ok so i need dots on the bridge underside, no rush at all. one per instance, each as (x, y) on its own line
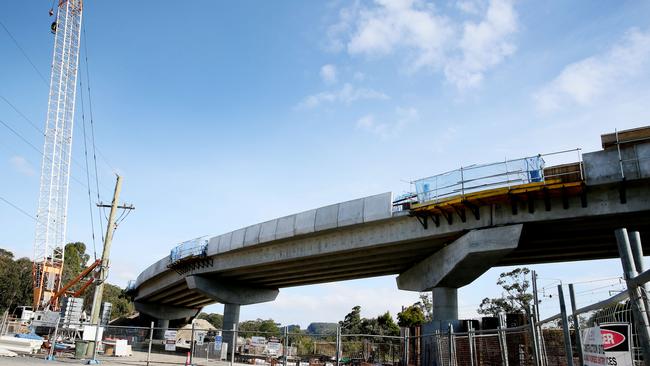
(585, 238)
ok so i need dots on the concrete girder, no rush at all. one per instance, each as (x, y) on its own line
(462, 261)
(166, 312)
(224, 293)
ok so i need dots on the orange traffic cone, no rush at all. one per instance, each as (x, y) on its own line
(187, 360)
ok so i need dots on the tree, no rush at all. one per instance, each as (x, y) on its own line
(410, 317)
(514, 299)
(387, 325)
(15, 281)
(121, 304)
(351, 324)
(259, 327)
(426, 305)
(75, 262)
(215, 319)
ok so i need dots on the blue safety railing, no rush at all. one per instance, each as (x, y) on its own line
(480, 177)
(195, 248)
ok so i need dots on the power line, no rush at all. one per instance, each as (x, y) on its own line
(21, 137)
(90, 203)
(17, 208)
(92, 123)
(40, 131)
(24, 53)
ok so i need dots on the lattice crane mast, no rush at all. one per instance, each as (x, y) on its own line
(52, 211)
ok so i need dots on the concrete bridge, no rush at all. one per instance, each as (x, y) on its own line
(436, 246)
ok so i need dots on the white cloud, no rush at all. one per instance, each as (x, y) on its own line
(584, 81)
(402, 118)
(22, 165)
(347, 94)
(463, 51)
(328, 74)
(484, 45)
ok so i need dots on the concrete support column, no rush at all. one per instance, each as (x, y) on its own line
(445, 303)
(230, 318)
(163, 324)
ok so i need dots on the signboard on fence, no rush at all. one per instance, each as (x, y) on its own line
(617, 343)
(593, 352)
(218, 341)
(199, 336)
(170, 340)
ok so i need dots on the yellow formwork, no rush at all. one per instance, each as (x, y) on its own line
(550, 187)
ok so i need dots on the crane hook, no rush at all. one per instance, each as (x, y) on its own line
(51, 11)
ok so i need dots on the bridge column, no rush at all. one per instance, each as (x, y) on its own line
(458, 264)
(444, 303)
(163, 324)
(230, 318)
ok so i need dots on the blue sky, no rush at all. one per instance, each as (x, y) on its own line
(224, 114)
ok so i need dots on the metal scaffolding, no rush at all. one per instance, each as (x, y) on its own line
(55, 172)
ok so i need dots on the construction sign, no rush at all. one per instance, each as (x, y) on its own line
(170, 340)
(617, 343)
(593, 353)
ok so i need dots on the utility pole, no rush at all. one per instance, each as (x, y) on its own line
(103, 271)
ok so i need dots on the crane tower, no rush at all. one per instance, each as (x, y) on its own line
(52, 211)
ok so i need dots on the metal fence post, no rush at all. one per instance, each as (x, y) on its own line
(286, 345)
(452, 345)
(576, 324)
(234, 345)
(565, 327)
(150, 340)
(338, 345)
(405, 350)
(637, 253)
(502, 339)
(192, 345)
(635, 292)
(533, 333)
(470, 339)
(50, 357)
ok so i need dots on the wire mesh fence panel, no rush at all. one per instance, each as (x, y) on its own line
(553, 350)
(487, 349)
(520, 348)
(312, 348)
(371, 349)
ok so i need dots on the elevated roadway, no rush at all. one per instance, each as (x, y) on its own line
(438, 245)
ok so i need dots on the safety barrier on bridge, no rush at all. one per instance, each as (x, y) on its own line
(493, 179)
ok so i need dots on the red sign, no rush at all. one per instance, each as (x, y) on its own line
(611, 338)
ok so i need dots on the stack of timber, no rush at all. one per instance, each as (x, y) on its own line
(631, 136)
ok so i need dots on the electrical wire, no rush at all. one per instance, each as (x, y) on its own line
(17, 208)
(90, 200)
(21, 137)
(92, 122)
(22, 50)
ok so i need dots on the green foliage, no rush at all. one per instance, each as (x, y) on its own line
(382, 325)
(122, 306)
(213, 318)
(411, 317)
(75, 262)
(426, 305)
(514, 299)
(15, 281)
(265, 328)
(351, 324)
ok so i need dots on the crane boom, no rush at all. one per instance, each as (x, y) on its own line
(51, 216)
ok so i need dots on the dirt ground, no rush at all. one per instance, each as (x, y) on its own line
(138, 358)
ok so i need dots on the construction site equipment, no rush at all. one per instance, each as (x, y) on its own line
(51, 216)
